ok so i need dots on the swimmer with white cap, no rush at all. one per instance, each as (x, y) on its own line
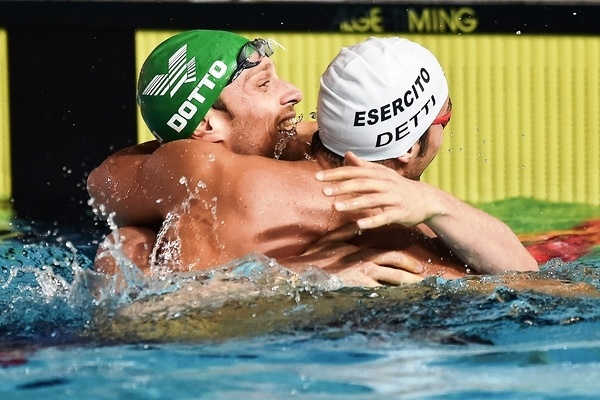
(379, 97)
(386, 100)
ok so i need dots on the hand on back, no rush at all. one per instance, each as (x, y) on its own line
(357, 265)
(373, 187)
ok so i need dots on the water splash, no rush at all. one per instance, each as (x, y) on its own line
(244, 297)
(49, 293)
(44, 292)
(287, 132)
(165, 258)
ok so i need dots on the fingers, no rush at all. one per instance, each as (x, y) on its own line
(352, 159)
(371, 275)
(359, 186)
(373, 222)
(369, 170)
(393, 276)
(354, 180)
(388, 217)
(367, 201)
(341, 174)
(341, 234)
(384, 258)
(398, 260)
(355, 277)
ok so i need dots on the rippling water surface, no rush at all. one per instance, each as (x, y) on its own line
(253, 329)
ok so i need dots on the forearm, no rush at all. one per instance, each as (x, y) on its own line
(477, 238)
(481, 241)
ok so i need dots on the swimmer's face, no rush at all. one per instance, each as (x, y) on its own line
(259, 103)
(427, 150)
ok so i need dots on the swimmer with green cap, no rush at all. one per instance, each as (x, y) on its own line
(193, 75)
(389, 98)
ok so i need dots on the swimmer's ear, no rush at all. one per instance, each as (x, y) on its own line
(212, 128)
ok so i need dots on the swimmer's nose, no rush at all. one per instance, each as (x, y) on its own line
(292, 95)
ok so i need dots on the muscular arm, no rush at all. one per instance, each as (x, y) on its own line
(142, 183)
(115, 186)
(145, 186)
(478, 239)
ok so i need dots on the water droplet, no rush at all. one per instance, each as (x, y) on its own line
(288, 131)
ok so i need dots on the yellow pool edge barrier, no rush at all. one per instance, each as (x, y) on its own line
(525, 118)
(5, 175)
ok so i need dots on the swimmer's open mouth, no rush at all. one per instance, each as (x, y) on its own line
(289, 125)
(287, 129)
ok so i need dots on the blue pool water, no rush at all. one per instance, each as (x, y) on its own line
(252, 330)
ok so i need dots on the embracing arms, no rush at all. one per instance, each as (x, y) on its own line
(481, 241)
(117, 185)
(140, 185)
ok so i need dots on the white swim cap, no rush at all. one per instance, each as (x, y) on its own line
(378, 97)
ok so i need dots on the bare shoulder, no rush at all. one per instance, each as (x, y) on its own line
(191, 148)
(282, 181)
(200, 157)
(180, 168)
(145, 148)
(189, 158)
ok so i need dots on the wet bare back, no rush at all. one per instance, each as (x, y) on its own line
(227, 205)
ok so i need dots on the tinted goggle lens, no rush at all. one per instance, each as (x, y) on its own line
(251, 54)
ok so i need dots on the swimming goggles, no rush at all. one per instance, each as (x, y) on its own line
(250, 56)
(443, 119)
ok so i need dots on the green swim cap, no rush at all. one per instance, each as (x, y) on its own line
(183, 77)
